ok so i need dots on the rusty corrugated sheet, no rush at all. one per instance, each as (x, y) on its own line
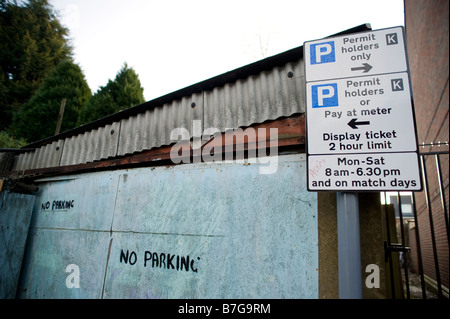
(267, 96)
(91, 146)
(24, 161)
(258, 97)
(153, 127)
(48, 155)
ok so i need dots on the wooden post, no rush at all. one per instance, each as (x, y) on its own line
(60, 116)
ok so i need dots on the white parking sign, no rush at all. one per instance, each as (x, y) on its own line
(359, 107)
(373, 52)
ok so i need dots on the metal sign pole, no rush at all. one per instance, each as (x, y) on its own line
(360, 129)
(349, 253)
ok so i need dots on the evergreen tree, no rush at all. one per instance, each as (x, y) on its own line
(8, 141)
(32, 43)
(37, 119)
(124, 92)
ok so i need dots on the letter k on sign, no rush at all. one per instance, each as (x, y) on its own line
(397, 85)
(391, 38)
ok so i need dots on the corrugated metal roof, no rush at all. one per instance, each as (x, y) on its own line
(48, 155)
(92, 145)
(255, 99)
(264, 90)
(152, 128)
(266, 96)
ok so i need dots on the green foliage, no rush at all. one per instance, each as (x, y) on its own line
(8, 141)
(37, 72)
(32, 43)
(37, 118)
(124, 92)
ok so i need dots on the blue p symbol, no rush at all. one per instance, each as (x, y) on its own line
(322, 52)
(324, 95)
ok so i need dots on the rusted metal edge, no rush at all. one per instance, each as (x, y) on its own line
(290, 134)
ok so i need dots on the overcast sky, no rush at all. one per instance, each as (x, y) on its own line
(172, 44)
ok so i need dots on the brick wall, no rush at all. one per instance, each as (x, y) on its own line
(427, 37)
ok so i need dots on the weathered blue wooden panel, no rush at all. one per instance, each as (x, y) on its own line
(246, 235)
(15, 216)
(49, 254)
(76, 202)
(71, 225)
(219, 230)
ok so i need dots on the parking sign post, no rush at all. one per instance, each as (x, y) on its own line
(349, 254)
(361, 132)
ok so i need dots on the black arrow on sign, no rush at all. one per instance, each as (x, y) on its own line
(366, 67)
(353, 124)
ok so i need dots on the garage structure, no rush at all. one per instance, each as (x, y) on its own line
(200, 193)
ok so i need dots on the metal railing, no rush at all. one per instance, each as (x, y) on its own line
(417, 241)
